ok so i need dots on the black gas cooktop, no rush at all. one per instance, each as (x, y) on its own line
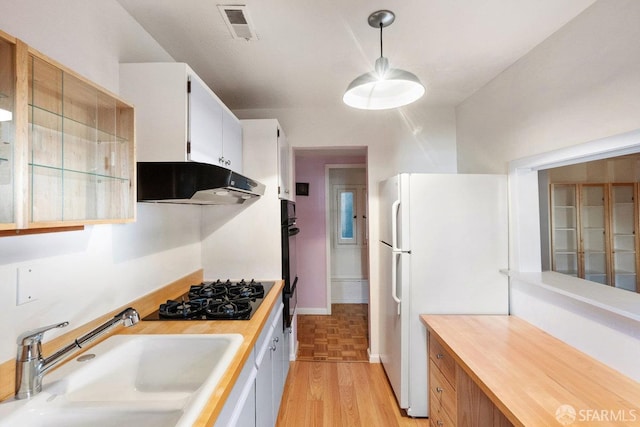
(215, 301)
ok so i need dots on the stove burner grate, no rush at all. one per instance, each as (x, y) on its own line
(228, 310)
(215, 301)
(182, 309)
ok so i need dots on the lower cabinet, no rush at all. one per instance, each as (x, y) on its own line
(270, 378)
(442, 386)
(454, 398)
(255, 398)
(240, 409)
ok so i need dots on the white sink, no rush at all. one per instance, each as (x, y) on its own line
(141, 380)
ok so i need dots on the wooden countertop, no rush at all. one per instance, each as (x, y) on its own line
(529, 375)
(249, 329)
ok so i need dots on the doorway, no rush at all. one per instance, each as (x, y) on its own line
(347, 246)
(333, 309)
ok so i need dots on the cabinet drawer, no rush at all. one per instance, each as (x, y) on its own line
(443, 394)
(440, 419)
(442, 359)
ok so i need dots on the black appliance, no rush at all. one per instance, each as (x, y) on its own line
(289, 230)
(193, 183)
(215, 301)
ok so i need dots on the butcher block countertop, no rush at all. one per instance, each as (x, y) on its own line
(533, 378)
(249, 329)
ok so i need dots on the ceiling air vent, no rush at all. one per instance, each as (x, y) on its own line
(238, 21)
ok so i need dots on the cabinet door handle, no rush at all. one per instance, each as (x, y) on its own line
(439, 356)
(439, 390)
(276, 339)
(440, 423)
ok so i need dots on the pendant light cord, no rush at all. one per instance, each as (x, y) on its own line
(381, 40)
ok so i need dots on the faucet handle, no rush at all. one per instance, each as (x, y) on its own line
(29, 341)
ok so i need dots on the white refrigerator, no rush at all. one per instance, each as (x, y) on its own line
(443, 242)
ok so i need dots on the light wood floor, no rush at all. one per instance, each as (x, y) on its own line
(340, 394)
(326, 389)
(342, 336)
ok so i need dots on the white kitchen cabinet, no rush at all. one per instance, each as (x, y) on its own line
(270, 378)
(255, 398)
(285, 182)
(280, 352)
(179, 118)
(240, 409)
(231, 141)
(264, 383)
(266, 136)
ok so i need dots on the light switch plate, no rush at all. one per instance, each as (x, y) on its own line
(27, 285)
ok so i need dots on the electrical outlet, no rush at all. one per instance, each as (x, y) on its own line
(27, 285)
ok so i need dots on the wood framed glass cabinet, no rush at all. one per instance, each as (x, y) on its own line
(8, 187)
(74, 151)
(593, 232)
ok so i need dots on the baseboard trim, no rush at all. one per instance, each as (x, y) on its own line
(311, 310)
(373, 358)
(350, 301)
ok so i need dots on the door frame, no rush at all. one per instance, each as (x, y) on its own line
(327, 218)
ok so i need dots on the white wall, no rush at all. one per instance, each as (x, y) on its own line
(83, 274)
(411, 139)
(581, 84)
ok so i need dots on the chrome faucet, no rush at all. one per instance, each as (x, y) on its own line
(31, 365)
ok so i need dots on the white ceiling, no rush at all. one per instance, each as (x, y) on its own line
(308, 51)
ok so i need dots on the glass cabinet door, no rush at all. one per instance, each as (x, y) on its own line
(623, 216)
(45, 137)
(67, 149)
(564, 233)
(7, 135)
(593, 232)
(81, 146)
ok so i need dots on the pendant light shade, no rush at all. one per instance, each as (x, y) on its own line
(384, 87)
(5, 115)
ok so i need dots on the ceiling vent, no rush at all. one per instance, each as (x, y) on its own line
(238, 21)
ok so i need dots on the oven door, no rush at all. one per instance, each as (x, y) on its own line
(290, 294)
(290, 304)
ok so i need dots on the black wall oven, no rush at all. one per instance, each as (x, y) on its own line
(289, 230)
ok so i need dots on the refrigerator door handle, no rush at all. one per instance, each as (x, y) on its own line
(394, 279)
(394, 226)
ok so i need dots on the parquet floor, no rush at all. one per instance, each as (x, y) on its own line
(342, 394)
(343, 336)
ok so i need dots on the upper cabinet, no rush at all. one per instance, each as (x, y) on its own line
(284, 166)
(265, 139)
(68, 152)
(593, 232)
(179, 118)
(8, 188)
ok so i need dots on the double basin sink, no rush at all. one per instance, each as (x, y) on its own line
(137, 380)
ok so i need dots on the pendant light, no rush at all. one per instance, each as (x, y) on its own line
(384, 87)
(5, 115)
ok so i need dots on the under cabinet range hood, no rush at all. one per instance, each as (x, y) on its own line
(194, 183)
